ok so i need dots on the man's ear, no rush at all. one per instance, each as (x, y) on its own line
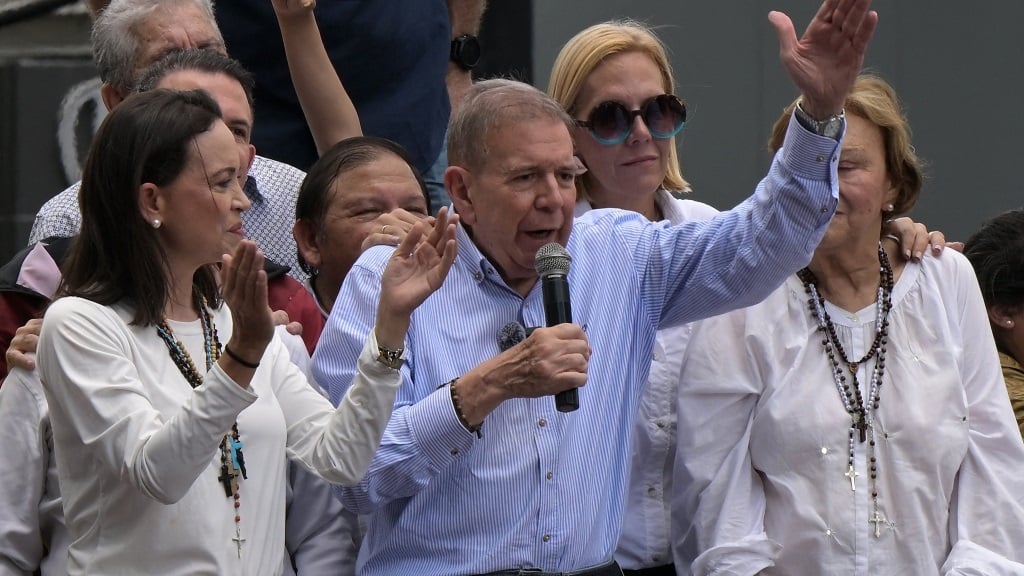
(111, 96)
(459, 182)
(252, 156)
(151, 202)
(308, 242)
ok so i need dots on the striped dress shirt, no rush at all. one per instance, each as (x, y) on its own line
(272, 186)
(544, 489)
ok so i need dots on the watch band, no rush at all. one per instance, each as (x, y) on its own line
(392, 358)
(829, 127)
(465, 51)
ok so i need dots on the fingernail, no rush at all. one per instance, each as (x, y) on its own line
(918, 255)
(906, 254)
(937, 248)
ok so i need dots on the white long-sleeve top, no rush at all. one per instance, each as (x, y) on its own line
(137, 447)
(763, 439)
(319, 535)
(645, 541)
(33, 536)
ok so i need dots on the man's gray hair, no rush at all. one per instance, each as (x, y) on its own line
(115, 45)
(490, 104)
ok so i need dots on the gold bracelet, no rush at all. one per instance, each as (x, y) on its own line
(460, 413)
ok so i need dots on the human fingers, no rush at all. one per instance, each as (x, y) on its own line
(408, 245)
(280, 317)
(18, 359)
(910, 236)
(22, 348)
(785, 32)
(440, 226)
(937, 241)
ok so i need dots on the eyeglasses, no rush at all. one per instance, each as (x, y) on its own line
(610, 123)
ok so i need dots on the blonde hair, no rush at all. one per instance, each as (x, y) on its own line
(585, 52)
(875, 100)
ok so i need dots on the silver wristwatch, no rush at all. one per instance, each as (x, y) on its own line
(389, 357)
(829, 127)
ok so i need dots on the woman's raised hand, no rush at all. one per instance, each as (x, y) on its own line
(244, 286)
(416, 269)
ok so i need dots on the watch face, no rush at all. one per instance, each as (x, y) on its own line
(466, 51)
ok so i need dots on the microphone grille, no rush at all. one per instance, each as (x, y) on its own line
(552, 258)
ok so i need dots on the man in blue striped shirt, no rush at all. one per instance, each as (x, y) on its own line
(478, 473)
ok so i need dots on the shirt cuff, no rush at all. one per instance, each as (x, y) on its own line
(437, 430)
(811, 156)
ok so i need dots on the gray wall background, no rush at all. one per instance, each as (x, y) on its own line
(956, 66)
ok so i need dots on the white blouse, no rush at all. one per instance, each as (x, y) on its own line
(764, 447)
(138, 449)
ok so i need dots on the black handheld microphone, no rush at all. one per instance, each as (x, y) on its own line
(552, 264)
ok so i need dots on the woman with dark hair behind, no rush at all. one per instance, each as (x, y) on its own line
(997, 253)
(171, 455)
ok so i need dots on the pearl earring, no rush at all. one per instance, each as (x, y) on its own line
(888, 208)
(155, 223)
(1009, 323)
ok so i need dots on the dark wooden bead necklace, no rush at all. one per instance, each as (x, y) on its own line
(232, 460)
(861, 412)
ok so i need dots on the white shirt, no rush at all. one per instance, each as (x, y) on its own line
(137, 447)
(32, 531)
(763, 439)
(645, 539)
(320, 537)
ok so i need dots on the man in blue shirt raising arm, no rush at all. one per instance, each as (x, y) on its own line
(478, 473)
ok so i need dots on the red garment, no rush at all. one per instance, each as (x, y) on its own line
(16, 309)
(286, 293)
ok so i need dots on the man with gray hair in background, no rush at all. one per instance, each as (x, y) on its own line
(127, 37)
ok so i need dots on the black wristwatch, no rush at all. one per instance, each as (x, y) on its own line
(465, 51)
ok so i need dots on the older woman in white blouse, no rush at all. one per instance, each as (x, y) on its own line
(855, 422)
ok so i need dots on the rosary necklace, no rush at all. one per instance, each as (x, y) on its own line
(861, 412)
(232, 460)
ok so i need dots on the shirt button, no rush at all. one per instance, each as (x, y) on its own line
(477, 276)
(546, 538)
(455, 451)
(550, 475)
(542, 422)
(652, 491)
(820, 158)
(824, 209)
(828, 532)
(824, 451)
(659, 424)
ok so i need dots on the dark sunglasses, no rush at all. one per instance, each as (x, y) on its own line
(611, 123)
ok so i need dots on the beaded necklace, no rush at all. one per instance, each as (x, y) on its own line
(861, 413)
(232, 460)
